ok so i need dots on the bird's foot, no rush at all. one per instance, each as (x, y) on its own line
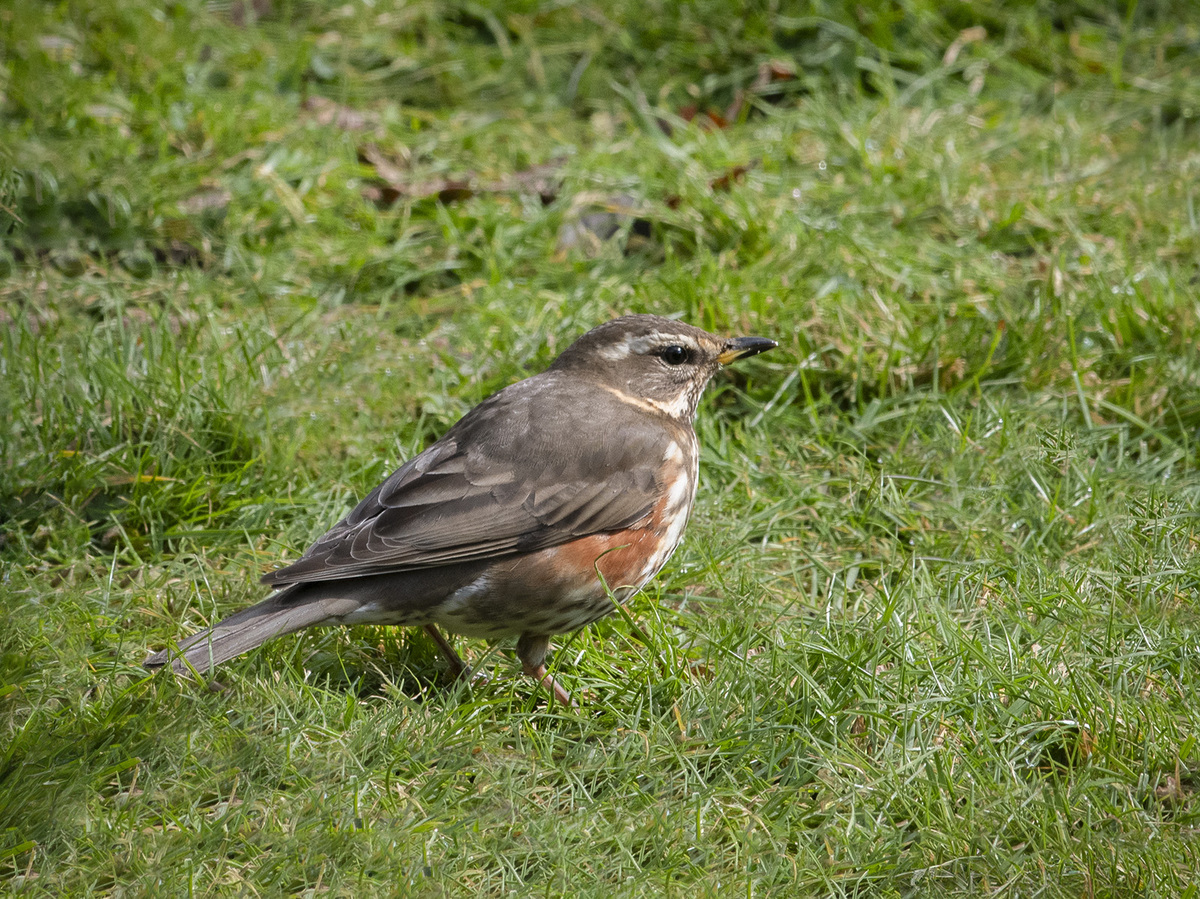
(556, 689)
(531, 650)
(458, 668)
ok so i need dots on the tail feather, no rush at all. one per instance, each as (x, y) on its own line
(284, 613)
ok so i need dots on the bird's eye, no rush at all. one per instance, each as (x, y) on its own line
(674, 354)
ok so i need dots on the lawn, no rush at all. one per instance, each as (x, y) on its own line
(934, 628)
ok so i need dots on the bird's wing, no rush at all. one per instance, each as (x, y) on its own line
(517, 474)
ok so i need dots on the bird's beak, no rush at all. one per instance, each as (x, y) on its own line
(740, 347)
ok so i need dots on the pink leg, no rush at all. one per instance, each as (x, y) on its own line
(531, 650)
(457, 665)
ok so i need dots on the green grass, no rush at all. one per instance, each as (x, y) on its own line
(934, 629)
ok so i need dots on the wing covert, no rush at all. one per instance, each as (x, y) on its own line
(508, 478)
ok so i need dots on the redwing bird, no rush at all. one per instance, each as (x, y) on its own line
(540, 504)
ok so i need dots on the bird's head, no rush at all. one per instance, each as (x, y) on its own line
(654, 361)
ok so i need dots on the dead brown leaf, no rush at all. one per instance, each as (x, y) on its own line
(324, 111)
(394, 181)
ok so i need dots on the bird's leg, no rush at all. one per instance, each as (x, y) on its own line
(457, 665)
(531, 650)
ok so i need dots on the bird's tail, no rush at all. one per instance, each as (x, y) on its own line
(287, 611)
